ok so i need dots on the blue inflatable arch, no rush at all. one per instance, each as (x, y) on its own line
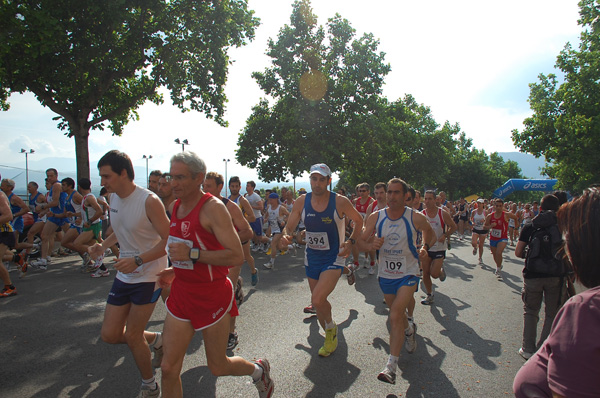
(515, 184)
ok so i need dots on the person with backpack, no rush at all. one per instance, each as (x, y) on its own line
(568, 362)
(543, 275)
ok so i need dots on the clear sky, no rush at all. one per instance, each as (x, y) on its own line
(470, 61)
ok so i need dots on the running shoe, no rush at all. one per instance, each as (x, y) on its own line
(480, 261)
(372, 270)
(310, 309)
(233, 341)
(331, 342)
(239, 292)
(269, 265)
(265, 384)
(86, 259)
(158, 356)
(351, 276)
(474, 251)
(23, 270)
(498, 274)
(98, 262)
(49, 259)
(269, 251)
(149, 392)
(442, 274)
(427, 300)
(410, 340)
(39, 264)
(255, 278)
(526, 355)
(8, 291)
(387, 376)
(100, 273)
(255, 248)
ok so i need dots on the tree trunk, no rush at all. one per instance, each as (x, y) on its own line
(82, 155)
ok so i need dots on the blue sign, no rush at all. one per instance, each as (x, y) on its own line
(515, 184)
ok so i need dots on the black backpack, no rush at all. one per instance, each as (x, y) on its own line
(543, 252)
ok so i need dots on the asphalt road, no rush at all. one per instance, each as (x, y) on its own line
(467, 341)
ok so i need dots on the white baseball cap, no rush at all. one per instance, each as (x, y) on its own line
(320, 168)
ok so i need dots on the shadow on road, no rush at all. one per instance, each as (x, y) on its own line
(319, 371)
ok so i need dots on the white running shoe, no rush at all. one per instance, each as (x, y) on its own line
(269, 265)
(372, 270)
(100, 273)
(427, 300)
(410, 341)
(148, 392)
(265, 384)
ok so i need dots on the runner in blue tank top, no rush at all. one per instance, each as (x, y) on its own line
(323, 212)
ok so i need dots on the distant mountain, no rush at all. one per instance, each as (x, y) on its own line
(529, 164)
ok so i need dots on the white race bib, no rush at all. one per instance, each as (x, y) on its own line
(390, 266)
(181, 264)
(317, 240)
(496, 233)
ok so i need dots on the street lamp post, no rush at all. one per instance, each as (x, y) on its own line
(27, 165)
(182, 142)
(225, 182)
(147, 176)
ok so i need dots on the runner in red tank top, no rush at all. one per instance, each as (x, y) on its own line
(202, 246)
(497, 223)
(361, 204)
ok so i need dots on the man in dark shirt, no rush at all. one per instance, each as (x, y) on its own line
(538, 286)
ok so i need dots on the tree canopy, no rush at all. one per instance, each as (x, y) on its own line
(323, 103)
(565, 125)
(323, 86)
(95, 63)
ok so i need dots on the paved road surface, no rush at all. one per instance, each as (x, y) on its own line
(467, 341)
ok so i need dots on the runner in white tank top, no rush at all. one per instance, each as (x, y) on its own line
(396, 230)
(443, 226)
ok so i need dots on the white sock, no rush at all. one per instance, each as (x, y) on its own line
(157, 343)
(257, 374)
(149, 382)
(330, 325)
(392, 363)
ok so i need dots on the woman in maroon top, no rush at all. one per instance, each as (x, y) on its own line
(568, 363)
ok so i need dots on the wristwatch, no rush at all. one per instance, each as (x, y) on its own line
(353, 241)
(138, 260)
(194, 254)
(428, 247)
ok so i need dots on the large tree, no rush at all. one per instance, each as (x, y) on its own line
(95, 63)
(321, 91)
(565, 125)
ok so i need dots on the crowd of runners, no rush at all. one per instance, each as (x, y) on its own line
(182, 241)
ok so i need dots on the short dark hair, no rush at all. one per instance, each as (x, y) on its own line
(118, 161)
(235, 179)
(84, 183)
(35, 184)
(251, 183)
(578, 220)
(155, 173)
(103, 191)
(396, 180)
(550, 202)
(69, 181)
(411, 191)
(562, 197)
(52, 170)
(380, 185)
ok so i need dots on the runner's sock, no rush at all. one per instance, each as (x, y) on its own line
(257, 374)
(149, 382)
(392, 363)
